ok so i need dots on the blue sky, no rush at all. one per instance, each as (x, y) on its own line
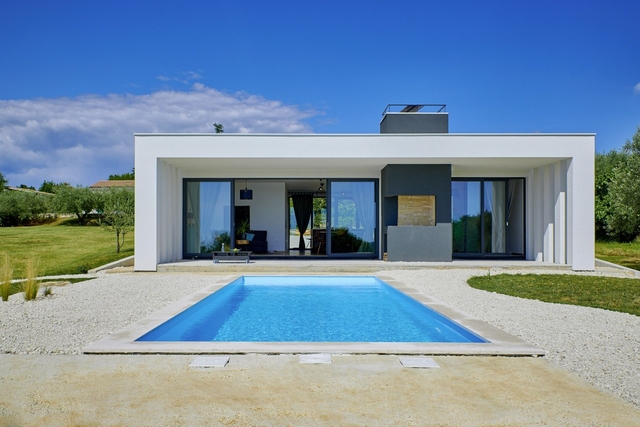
(79, 77)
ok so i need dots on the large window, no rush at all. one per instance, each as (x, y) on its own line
(353, 214)
(466, 220)
(488, 216)
(207, 216)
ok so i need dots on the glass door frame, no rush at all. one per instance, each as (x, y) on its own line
(376, 244)
(185, 182)
(482, 181)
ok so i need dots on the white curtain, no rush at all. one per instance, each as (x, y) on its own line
(202, 209)
(498, 223)
(364, 199)
(209, 193)
(193, 217)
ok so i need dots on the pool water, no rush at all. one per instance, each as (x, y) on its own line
(309, 309)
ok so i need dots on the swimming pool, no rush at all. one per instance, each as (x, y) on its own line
(309, 309)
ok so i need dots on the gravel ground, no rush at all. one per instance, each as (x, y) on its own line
(601, 346)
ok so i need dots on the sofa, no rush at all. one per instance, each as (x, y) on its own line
(259, 242)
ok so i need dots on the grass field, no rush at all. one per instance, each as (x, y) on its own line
(610, 293)
(61, 247)
(626, 254)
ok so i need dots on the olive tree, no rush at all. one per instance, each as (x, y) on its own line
(78, 201)
(22, 207)
(119, 213)
(605, 168)
(3, 182)
(624, 192)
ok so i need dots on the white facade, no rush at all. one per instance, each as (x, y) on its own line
(558, 171)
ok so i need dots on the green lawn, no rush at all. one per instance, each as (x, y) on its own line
(626, 254)
(62, 247)
(610, 293)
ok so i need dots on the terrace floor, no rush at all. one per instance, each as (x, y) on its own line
(354, 390)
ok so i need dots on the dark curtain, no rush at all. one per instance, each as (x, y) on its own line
(303, 208)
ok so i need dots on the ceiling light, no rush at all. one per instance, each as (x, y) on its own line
(246, 194)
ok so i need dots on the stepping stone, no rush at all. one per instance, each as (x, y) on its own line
(418, 362)
(210, 362)
(315, 358)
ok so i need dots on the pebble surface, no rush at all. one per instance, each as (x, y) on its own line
(602, 347)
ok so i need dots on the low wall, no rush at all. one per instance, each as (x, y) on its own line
(419, 243)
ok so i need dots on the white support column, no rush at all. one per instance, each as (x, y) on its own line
(146, 253)
(537, 210)
(529, 226)
(580, 212)
(560, 213)
(176, 209)
(162, 217)
(548, 205)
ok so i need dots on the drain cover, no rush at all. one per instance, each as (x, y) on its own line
(418, 362)
(315, 358)
(210, 362)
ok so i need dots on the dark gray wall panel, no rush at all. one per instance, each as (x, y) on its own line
(419, 243)
(415, 123)
(418, 180)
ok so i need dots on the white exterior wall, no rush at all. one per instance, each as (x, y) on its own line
(271, 197)
(559, 172)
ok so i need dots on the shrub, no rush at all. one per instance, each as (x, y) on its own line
(82, 269)
(6, 271)
(31, 285)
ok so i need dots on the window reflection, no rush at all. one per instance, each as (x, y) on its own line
(353, 217)
(208, 209)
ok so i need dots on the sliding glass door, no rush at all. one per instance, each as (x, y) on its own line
(488, 216)
(353, 219)
(207, 216)
(465, 209)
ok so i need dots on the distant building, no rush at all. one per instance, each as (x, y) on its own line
(105, 184)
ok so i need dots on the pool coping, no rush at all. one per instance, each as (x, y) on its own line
(500, 342)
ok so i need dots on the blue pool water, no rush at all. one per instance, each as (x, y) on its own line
(309, 309)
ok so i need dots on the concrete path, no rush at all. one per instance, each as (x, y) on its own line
(262, 390)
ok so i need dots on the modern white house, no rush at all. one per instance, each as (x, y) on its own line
(414, 192)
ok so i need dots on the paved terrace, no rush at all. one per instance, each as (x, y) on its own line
(306, 266)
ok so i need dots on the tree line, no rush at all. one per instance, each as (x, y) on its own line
(113, 209)
(617, 192)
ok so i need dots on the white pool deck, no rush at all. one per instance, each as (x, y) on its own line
(355, 266)
(346, 265)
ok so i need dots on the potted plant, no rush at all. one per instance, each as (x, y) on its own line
(242, 228)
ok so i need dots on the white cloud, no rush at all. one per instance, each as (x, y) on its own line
(636, 89)
(184, 77)
(83, 139)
